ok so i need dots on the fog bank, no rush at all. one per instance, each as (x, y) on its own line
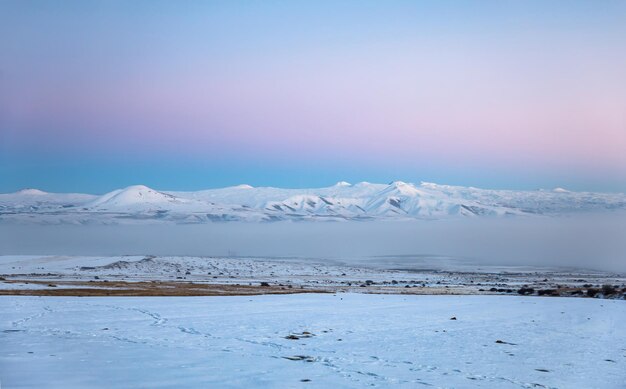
(595, 242)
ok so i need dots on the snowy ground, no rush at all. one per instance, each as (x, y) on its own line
(443, 277)
(355, 341)
(383, 335)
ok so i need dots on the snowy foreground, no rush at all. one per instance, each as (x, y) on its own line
(355, 340)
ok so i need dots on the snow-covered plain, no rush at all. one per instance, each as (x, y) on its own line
(355, 341)
(417, 277)
(343, 201)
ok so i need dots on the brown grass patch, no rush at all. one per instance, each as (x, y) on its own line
(149, 288)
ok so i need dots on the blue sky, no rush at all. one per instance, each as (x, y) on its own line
(96, 95)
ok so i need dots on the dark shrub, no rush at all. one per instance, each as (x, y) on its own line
(608, 290)
(525, 291)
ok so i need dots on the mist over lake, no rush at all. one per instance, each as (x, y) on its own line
(589, 241)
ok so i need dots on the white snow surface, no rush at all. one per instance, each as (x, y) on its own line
(356, 341)
(388, 275)
(342, 201)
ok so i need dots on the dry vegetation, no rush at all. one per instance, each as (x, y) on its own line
(151, 288)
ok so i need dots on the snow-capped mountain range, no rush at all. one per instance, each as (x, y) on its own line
(342, 201)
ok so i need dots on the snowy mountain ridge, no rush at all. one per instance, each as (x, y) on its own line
(342, 201)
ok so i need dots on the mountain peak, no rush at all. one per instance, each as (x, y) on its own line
(343, 183)
(134, 195)
(137, 188)
(403, 188)
(31, 192)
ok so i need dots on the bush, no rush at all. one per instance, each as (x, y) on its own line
(608, 290)
(526, 291)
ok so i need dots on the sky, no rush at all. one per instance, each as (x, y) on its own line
(189, 95)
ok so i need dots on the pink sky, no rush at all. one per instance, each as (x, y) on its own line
(486, 85)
